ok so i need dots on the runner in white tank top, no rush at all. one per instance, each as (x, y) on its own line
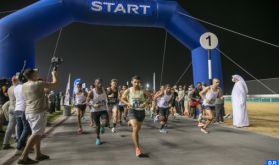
(164, 102)
(113, 99)
(209, 95)
(97, 98)
(80, 105)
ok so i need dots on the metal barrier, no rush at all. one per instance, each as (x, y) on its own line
(258, 98)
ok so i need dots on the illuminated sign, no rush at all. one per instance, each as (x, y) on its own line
(117, 7)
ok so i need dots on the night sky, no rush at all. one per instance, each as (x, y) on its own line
(91, 51)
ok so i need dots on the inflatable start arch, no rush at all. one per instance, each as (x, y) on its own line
(20, 31)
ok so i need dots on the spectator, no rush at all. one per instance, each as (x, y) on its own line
(186, 103)
(23, 128)
(12, 121)
(3, 99)
(219, 107)
(51, 100)
(36, 108)
(180, 100)
(57, 102)
(239, 97)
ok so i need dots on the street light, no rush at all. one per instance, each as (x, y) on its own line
(147, 86)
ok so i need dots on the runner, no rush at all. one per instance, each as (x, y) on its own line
(155, 106)
(209, 96)
(135, 98)
(164, 102)
(92, 86)
(80, 105)
(113, 100)
(123, 111)
(195, 101)
(173, 106)
(97, 99)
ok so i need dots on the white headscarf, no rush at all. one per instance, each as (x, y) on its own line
(239, 79)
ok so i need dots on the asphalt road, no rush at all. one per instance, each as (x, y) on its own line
(183, 144)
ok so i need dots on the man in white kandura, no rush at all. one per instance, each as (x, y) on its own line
(239, 96)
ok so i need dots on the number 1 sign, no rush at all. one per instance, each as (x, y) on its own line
(209, 41)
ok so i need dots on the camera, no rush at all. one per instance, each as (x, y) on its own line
(56, 61)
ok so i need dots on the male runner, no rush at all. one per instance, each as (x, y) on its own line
(135, 98)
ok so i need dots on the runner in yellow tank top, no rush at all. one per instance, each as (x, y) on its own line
(135, 98)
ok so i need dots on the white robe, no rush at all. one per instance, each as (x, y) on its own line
(239, 96)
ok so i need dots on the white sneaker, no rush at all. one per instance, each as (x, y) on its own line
(113, 130)
(163, 131)
(204, 131)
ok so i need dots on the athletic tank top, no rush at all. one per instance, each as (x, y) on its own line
(112, 97)
(99, 99)
(136, 98)
(210, 96)
(163, 101)
(80, 99)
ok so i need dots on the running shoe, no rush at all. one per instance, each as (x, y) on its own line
(98, 141)
(138, 152)
(163, 131)
(204, 131)
(200, 124)
(79, 131)
(113, 130)
(102, 130)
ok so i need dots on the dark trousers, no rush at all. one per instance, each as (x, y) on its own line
(23, 129)
(220, 112)
(192, 112)
(52, 107)
(179, 107)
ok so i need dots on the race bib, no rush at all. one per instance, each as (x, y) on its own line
(136, 103)
(102, 103)
(166, 103)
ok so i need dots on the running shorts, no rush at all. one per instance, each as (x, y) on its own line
(139, 115)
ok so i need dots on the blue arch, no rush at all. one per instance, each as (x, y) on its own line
(20, 31)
